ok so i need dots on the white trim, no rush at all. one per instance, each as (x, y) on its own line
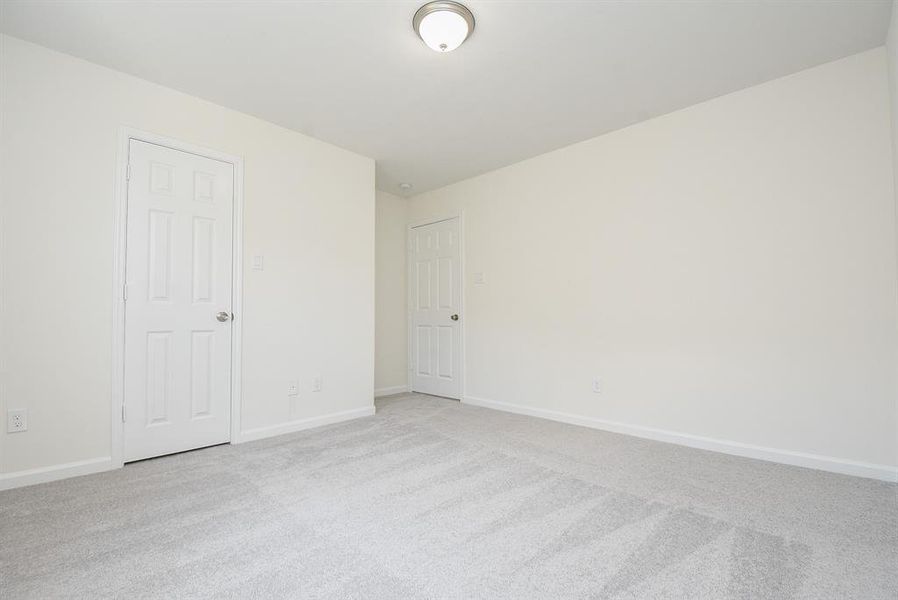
(119, 250)
(438, 218)
(389, 391)
(27, 477)
(237, 304)
(786, 457)
(18, 479)
(301, 424)
(460, 215)
(120, 222)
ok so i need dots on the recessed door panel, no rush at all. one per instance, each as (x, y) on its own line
(203, 259)
(159, 267)
(162, 178)
(424, 354)
(444, 351)
(446, 295)
(203, 187)
(423, 296)
(159, 376)
(202, 373)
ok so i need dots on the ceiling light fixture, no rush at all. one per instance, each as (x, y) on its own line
(405, 187)
(443, 26)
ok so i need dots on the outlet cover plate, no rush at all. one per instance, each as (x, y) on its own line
(16, 420)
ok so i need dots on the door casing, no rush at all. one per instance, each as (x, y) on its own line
(460, 215)
(120, 222)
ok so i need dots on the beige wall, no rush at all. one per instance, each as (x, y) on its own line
(309, 209)
(892, 50)
(391, 332)
(729, 270)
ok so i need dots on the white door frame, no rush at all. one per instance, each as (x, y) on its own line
(120, 223)
(460, 215)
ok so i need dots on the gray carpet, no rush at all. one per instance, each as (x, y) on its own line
(433, 499)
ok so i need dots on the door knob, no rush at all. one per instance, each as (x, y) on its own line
(223, 316)
(454, 317)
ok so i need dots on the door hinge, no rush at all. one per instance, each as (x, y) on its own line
(128, 172)
(124, 417)
(125, 292)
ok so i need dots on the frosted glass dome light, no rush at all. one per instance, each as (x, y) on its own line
(443, 26)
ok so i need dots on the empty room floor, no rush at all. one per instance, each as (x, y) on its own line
(435, 499)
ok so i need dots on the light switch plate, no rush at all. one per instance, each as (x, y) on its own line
(258, 262)
(479, 278)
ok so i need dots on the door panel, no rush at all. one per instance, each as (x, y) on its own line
(436, 298)
(202, 373)
(423, 350)
(179, 276)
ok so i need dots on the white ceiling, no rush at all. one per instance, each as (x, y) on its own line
(535, 75)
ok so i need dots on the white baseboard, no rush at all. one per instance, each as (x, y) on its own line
(96, 465)
(300, 424)
(52, 473)
(787, 457)
(389, 391)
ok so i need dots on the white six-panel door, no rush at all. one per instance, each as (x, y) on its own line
(435, 305)
(178, 306)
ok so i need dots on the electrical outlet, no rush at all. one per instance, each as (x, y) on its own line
(293, 388)
(16, 420)
(316, 383)
(597, 385)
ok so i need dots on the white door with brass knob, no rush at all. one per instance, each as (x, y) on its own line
(435, 308)
(178, 317)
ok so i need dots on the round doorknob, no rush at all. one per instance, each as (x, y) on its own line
(454, 317)
(223, 316)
